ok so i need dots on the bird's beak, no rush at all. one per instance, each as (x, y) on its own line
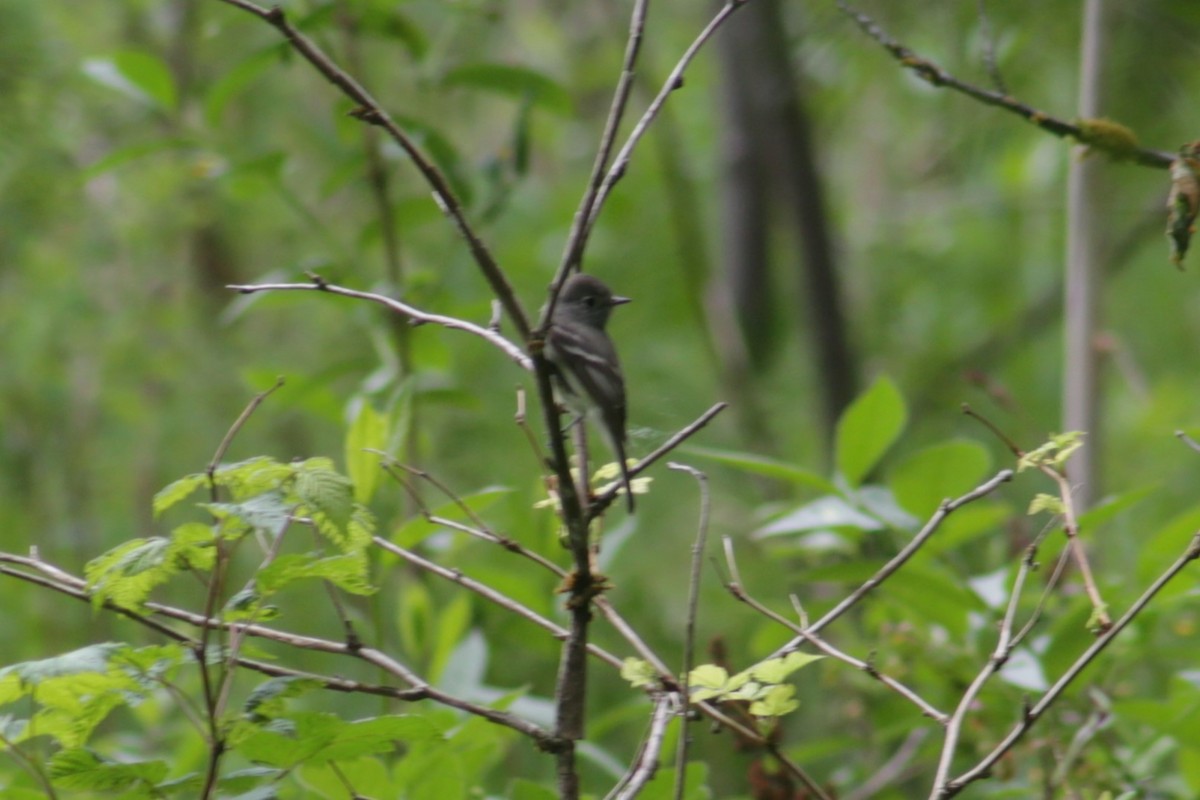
(620, 301)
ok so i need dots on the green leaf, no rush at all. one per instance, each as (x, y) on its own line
(707, 681)
(522, 789)
(127, 574)
(178, 491)
(327, 492)
(378, 735)
(1046, 502)
(867, 429)
(941, 472)
(235, 81)
(769, 468)
(521, 83)
(389, 23)
(268, 700)
(415, 617)
(82, 769)
(443, 153)
(370, 430)
(140, 76)
(347, 571)
(451, 626)
(1109, 507)
(638, 672)
(1053, 453)
(268, 512)
(776, 670)
(128, 154)
(778, 701)
(91, 659)
(821, 514)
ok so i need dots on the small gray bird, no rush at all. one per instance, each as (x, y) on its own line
(585, 361)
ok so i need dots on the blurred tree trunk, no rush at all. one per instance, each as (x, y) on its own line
(771, 163)
(1082, 280)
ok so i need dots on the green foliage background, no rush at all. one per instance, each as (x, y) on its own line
(151, 152)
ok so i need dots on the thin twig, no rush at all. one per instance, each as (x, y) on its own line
(646, 763)
(603, 500)
(934, 75)
(1031, 715)
(492, 596)
(944, 510)
(372, 112)
(893, 769)
(674, 81)
(738, 590)
(1189, 441)
(577, 238)
(1005, 644)
(512, 351)
(989, 49)
(689, 634)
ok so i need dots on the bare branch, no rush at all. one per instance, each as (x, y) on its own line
(934, 75)
(577, 238)
(646, 763)
(947, 507)
(736, 588)
(370, 111)
(1031, 715)
(689, 636)
(674, 81)
(491, 595)
(605, 499)
(486, 333)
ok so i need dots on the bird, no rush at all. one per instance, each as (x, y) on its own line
(586, 367)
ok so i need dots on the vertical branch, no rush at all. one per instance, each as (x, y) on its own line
(689, 638)
(1082, 280)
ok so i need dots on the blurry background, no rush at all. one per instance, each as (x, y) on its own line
(152, 152)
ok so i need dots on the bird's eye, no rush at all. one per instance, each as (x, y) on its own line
(590, 301)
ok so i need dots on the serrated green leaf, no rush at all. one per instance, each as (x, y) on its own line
(268, 512)
(140, 76)
(1046, 502)
(326, 492)
(370, 430)
(91, 659)
(868, 428)
(708, 676)
(268, 700)
(778, 701)
(84, 770)
(347, 571)
(638, 672)
(254, 476)
(521, 83)
(377, 735)
(127, 574)
(178, 491)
